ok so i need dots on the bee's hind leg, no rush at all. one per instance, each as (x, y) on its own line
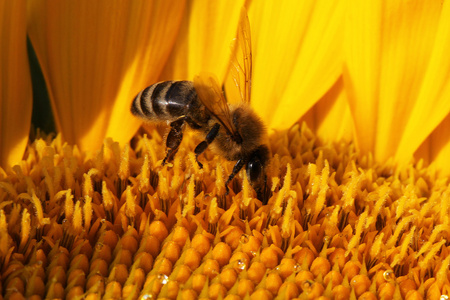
(208, 140)
(174, 138)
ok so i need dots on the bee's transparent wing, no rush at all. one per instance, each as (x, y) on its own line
(237, 83)
(211, 95)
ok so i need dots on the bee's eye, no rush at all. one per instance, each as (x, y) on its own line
(254, 169)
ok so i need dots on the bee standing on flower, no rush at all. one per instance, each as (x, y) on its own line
(234, 131)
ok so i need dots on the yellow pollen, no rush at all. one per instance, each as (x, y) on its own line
(150, 149)
(354, 241)
(38, 208)
(398, 258)
(25, 227)
(50, 184)
(124, 169)
(4, 237)
(380, 197)
(189, 203)
(409, 198)
(87, 212)
(442, 274)
(77, 218)
(144, 180)
(88, 188)
(194, 163)
(288, 216)
(278, 205)
(213, 214)
(434, 249)
(130, 204)
(398, 230)
(107, 197)
(68, 205)
(220, 183)
(433, 237)
(351, 188)
(376, 246)
(322, 192)
(246, 198)
(163, 184)
(445, 205)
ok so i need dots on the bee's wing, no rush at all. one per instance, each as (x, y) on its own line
(210, 94)
(238, 79)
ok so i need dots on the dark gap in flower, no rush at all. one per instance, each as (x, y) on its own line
(97, 183)
(39, 233)
(285, 242)
(306, 220)
(212, 228)
(243, 214)
(165, 204)
(236, 186)
(305, 196)
(364, 235)
(199, 187)
(359, 206)
(370, 263)
(415, 242)
(109, 214)
(399, 270)
(380, 223)
(67, 238)
(222, 202)
(121, 185)
(142, 199)
(154, 179)
(343, 220)
(42, 116)
(264, 194)
(399, 238)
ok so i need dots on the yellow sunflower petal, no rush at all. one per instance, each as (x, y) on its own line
(330, 117)
(297, 56)
(15, 83)
(436, 148)
(387, 48)
(96, 56)
(433, 103)
(205, 39)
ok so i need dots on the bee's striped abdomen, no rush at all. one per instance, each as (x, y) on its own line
(164, 101)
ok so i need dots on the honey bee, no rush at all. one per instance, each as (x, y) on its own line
(233, 130)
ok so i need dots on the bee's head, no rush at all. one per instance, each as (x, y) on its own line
(256, 171)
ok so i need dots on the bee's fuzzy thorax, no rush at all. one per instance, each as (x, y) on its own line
(250, 128)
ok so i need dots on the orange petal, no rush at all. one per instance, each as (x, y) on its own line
(96, 56)
(205, 39)
(387, 48)
(15, 83)
(297, 56)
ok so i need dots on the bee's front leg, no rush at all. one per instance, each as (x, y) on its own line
(174, 138)
(237, 167)
(208, 140)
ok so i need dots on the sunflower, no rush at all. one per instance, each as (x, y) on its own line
(356, 99)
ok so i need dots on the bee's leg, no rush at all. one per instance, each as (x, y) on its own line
(174, 138)
(208, 140)
(237, 167)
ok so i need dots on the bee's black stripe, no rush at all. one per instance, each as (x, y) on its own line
(135, 110)
(144, 97)
(157, 98)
